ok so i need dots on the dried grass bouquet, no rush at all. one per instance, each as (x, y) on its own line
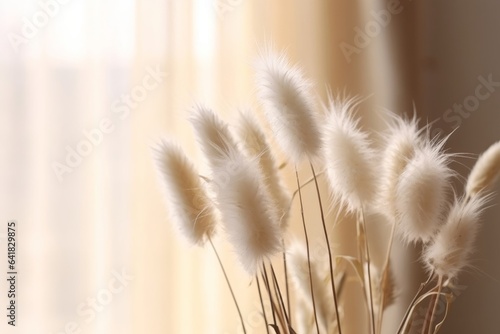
(408, 181)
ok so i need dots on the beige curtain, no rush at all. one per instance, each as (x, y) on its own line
(63, 179)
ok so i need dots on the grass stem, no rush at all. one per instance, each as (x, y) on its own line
(330, 258)
(368, 270)
(229, 286)
(285, 269)
(410, 307)
(262, 304)
(385, 270)
(308, 251)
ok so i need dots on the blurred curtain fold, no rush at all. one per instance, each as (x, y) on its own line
(74, 228)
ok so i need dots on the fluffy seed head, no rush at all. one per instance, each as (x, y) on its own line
(450, 251)
(348, 156)
(421, 193)
(257, 147)
(401, 142)
(247, 216)
(189, 205)
(288, 106)
(212, 134)
(486, 171)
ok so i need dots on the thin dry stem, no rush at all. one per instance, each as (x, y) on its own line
(384, 276)
(408, 325)
(278, 306)
(285, 269)
(270, 295)
(306, 183)
(307, 249)
(229, 285)
(262, 303)
(280, 297)
(409, 310)
(330, 258)
(434, 307)
(438, 325)
(300, 187)
(368, 261)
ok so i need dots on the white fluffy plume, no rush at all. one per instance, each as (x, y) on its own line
(247, 215)
(422, 191)
(450, 251)
(350, 161)
(401, 142)
(288, 106)
(212, 134)
(486, 171)
(257, 147)
(189, 205)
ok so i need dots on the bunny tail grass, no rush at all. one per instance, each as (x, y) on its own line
(246, 210)
(212, 134)
(189, 205)
(288, 105)
(422, 193)
(257, 147)
(402, 174)
(348, 157)
(486, 171)
(401, 142)
(450, 251)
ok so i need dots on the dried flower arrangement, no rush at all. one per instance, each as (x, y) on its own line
(245, 192)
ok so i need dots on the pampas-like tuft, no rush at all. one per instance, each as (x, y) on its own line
(421, 193)
(248, 218)
(450, 251)
(486, 171)
(257, 147)
(189, 205)
(212, 134)
(350, 161)
(299, 270)
(289, 106)
(401, 142)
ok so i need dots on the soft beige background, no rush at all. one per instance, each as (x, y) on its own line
(107, 215)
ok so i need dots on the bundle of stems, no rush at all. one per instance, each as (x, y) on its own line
(407, 180)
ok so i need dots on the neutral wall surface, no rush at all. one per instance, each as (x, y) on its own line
(460, 45)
